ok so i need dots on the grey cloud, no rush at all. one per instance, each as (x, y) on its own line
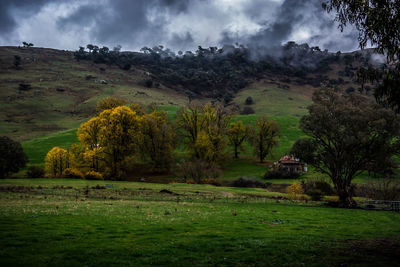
(178, 24)
(291, 16)
(27, 7)
(138, 22)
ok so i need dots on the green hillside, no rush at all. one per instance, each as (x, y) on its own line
(62, 92)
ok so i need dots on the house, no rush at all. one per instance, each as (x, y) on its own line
(290, 164)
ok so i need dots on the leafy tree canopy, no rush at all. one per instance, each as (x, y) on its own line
(348, 132)
(12, 156)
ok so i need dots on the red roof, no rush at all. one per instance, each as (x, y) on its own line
(289, 159)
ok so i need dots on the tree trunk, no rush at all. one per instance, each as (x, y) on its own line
(345, 196)
(236, 152)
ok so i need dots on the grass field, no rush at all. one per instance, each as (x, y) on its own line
(133, 224)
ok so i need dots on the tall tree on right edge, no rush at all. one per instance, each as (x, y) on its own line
(378, 23)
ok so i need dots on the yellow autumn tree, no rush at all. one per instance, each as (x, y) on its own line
(237, 134)
(264, 137)
(109, 103)
(216, 121)
(89, 137)
(204, 129)
(56, 161)
(190, 121)
(157, 140)
(119, 129)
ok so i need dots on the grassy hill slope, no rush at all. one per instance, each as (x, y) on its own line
(63, 91)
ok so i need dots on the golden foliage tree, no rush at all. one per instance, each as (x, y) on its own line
(89, 137)
(190, 121)
(264, 137)
(56, 161)
(237, 133)
(118, 133)
(109, 103)
(109, 138)
(216, 121)
(157, 140)
(204, 129)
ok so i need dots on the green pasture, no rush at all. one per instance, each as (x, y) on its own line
(133, 224)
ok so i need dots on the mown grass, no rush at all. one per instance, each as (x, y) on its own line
(203, 228)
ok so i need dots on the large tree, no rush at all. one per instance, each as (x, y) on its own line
(157, 139)
(237, 133)
(56, 161)
(348, 132)
(264, 137)
(118, 133)
(12, 156)
(378, 23)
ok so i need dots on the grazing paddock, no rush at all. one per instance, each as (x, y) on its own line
(77, 222)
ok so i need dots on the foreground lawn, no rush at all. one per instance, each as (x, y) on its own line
(75, 222)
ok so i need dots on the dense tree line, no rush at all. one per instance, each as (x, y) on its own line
(119, 136)
(216, 72)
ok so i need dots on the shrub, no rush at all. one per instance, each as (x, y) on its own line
(72, 173)
(382, 189)
(318, 184)
(248, 182)
(197, 170)
(35, 172)
(12, 156)
(315, 194)
(92, 175)
(294, 191)
(249, 100)
(24, 86)
(280, 174)
(148, 83)
(247, 111)
(212, 181)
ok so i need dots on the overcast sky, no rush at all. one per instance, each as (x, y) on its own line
(177, 24)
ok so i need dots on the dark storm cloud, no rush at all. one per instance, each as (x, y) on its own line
(178, 24)
(139, 21)
(292, 17)
(7, 21)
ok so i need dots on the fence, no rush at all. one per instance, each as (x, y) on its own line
(383, 205)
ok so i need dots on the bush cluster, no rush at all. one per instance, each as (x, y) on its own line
(72, 173)
(280, 174)
(197, 170)
(35, 172)
(248, 182)
(92, 175)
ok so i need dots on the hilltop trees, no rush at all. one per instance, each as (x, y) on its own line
(213, 72)
(264, 137)
(26, 44)
(348, 134)
(12, 156)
